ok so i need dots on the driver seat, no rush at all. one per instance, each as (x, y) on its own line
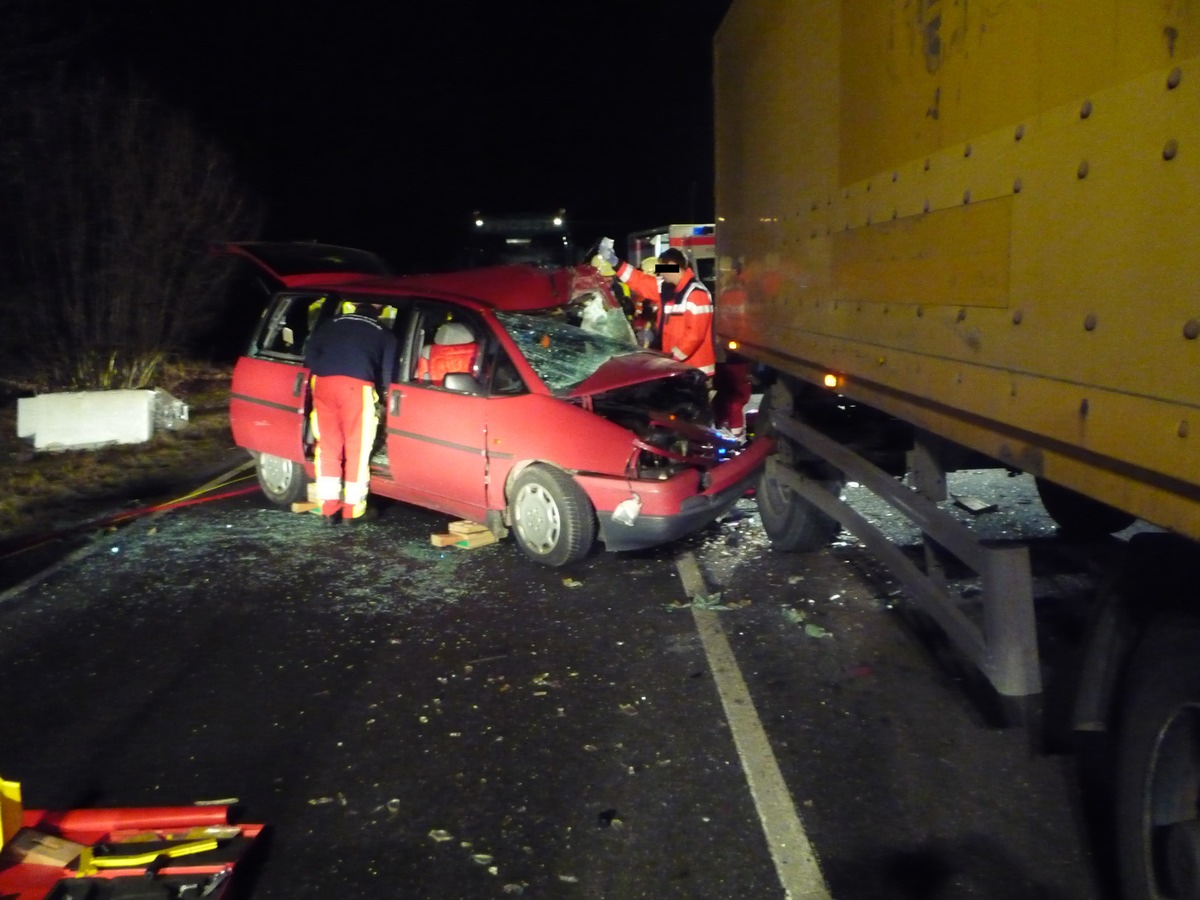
(453, 350)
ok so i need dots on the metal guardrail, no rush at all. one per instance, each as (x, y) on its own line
(1004, 645)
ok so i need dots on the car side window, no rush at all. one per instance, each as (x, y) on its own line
(499, 375)
(287, 325)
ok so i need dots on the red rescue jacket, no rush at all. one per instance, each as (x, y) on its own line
(686, 321)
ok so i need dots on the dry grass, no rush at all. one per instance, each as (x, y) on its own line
(44, 491)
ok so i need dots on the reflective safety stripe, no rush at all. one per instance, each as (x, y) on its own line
(678, 309)
(329, 487)
(356, 492)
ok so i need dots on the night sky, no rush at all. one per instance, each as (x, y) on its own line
(385, 124)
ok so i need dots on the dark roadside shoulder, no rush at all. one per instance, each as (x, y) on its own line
(52, 504)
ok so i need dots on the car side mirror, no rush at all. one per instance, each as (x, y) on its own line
(462, 383)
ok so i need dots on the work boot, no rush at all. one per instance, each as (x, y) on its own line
(370, 514)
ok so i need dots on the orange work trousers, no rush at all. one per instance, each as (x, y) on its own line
(344, 423)
(733, 392)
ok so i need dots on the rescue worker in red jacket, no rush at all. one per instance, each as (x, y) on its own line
(685, 316)
(352, 359)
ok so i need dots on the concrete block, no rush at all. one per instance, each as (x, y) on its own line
(92, 418)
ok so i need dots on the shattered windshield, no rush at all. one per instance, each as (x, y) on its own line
(566, 345)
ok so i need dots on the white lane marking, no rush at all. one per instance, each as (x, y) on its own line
(795, 863)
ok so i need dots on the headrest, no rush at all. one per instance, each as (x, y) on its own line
(453, 333)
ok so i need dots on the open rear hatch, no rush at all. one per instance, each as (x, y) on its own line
(298, 263)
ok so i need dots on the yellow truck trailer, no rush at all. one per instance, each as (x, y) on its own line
(980, 224)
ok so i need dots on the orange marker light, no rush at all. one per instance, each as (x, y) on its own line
(733, 345)
(832, 381)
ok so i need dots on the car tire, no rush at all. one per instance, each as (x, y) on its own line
(552, 519)
(1078, 514)
(283, 481)
(1158, 764)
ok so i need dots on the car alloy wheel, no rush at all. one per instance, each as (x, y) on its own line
(552, 518)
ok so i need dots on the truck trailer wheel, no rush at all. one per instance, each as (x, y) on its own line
(552, 518)
(1158, 765)
(791, 522)
(283, 481)
(1078, 514)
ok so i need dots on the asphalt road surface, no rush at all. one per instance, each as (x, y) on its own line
(439, 723)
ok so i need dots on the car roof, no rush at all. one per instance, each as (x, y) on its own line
(511, 288)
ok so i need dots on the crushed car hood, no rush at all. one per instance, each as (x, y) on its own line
(635, 367)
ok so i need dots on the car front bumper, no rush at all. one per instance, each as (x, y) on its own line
(731, 480)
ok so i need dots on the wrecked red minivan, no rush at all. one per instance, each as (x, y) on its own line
(550, 424)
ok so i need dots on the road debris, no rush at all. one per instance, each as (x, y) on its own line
(795, 616)
(571, 582)
(440, 835)
(610, 819)
(973, 504)
(709, 601)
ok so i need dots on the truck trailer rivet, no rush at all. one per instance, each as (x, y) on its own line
(1170, 148)
(1019, 133)
(967, 150)
(926, 206)
(1089, 322)
(1086, 109)
(1183, 429)
(920, 311)
(1084, 406)
(1017, 316)
(895, 176)
(1191, 329)
(1017, 185)
(967, 196)
(927, 164)
(1173, 79)
(1082, 171)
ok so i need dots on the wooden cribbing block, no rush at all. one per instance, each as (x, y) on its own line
(464, 527)
(464, 535)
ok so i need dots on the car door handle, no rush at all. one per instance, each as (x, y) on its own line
(394, 404)
(300, 378)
